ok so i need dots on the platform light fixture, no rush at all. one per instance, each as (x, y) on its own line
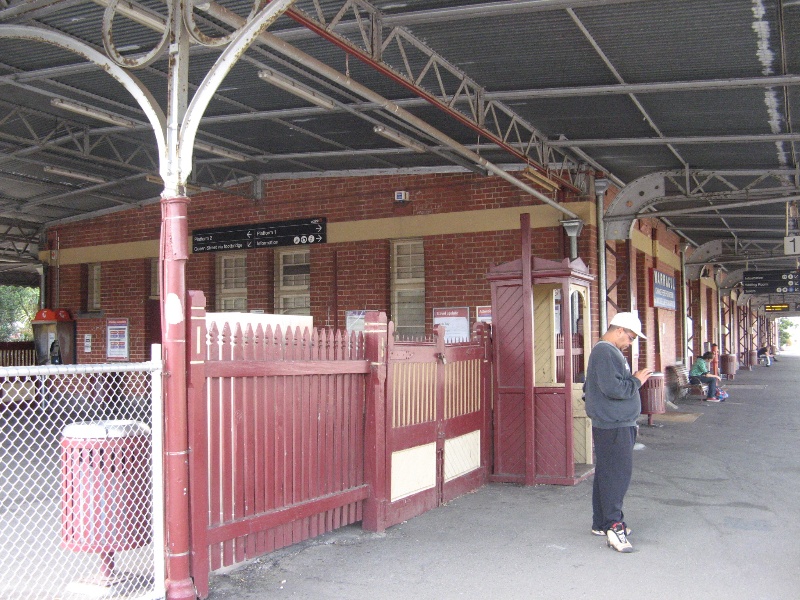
(91, 111)
(296, 88)
(74, 174)
(220, 151)
(399, 138)
(540, 179)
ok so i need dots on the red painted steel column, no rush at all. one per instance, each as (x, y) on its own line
(633, 303)
(198, 440)
(482, 332)
(375, 340)
(438, 333)
(527, 336)
(566, 327)
(174, 254)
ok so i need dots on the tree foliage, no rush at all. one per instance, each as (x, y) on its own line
(18, 306)
(785, 327)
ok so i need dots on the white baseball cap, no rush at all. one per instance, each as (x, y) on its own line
(629, 320)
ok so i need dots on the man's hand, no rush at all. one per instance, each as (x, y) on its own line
(643, 375)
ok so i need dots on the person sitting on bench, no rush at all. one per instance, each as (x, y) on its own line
(700, 374)
(766, 355)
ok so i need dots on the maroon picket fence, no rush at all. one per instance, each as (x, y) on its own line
(276, 438)
(288, 432)
(17, 354)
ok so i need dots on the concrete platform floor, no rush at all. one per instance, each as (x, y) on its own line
(713, 507)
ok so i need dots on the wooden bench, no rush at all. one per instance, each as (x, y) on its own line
(676, 380)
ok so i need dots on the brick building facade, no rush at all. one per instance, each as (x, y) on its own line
(466, 224)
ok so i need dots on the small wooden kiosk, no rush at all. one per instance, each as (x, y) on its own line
(541, 431)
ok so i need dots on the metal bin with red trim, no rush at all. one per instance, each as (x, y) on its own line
(727, 365)
(106, 488)
(651, 395)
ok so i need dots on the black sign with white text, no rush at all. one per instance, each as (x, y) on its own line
(299, 232)
(771, 282)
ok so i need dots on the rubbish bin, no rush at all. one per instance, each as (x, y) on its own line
(753, 359)
(106, 488)
(651, 395)
(727, 365)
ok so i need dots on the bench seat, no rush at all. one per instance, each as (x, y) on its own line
(678, 386)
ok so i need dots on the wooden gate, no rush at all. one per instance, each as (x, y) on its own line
(437, 441)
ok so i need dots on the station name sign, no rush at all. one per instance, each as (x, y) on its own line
(662, 289)
(771, 282)
(299, 232)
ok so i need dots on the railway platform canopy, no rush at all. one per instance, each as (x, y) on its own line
(688, 108)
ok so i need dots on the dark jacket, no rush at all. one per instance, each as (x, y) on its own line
(612, 392)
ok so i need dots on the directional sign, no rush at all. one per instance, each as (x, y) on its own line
(300, 232)
(771, 282)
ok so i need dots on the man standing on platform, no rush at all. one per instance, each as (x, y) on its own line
(715, 359)
(613, 404)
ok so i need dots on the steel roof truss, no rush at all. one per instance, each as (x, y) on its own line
(696, 183)
(61, 133)
(435, 67)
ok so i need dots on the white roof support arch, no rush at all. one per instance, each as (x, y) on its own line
(633, 198)
(702, 256)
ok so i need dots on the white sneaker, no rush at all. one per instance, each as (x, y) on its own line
(616, 538)
(602, 532)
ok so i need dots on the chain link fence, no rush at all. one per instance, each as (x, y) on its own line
(80, 451)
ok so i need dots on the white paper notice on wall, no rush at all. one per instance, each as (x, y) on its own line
(87, 343)
(455, 321)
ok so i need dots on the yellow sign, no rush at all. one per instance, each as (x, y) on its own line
(776, 307)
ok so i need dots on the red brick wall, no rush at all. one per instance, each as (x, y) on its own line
(344, 276)
(124, 288)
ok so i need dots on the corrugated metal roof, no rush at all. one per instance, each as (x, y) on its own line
(541, 59)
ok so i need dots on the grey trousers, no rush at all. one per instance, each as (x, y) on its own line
(613, 449)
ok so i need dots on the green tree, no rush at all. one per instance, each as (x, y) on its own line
(785, 327)
(18, 306)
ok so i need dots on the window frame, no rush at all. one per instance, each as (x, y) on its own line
(405, 285)
(94, 299)
(285, 292)
(235, 293)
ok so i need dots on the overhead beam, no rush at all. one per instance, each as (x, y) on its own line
(666, 140)
(699, 209)
(647, 88)
(461, 13)
(413, 121)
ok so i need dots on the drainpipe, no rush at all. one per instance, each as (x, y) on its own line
(42, 286)
(573, 227)
(600, 187)
(684, 300)
(717, 277)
